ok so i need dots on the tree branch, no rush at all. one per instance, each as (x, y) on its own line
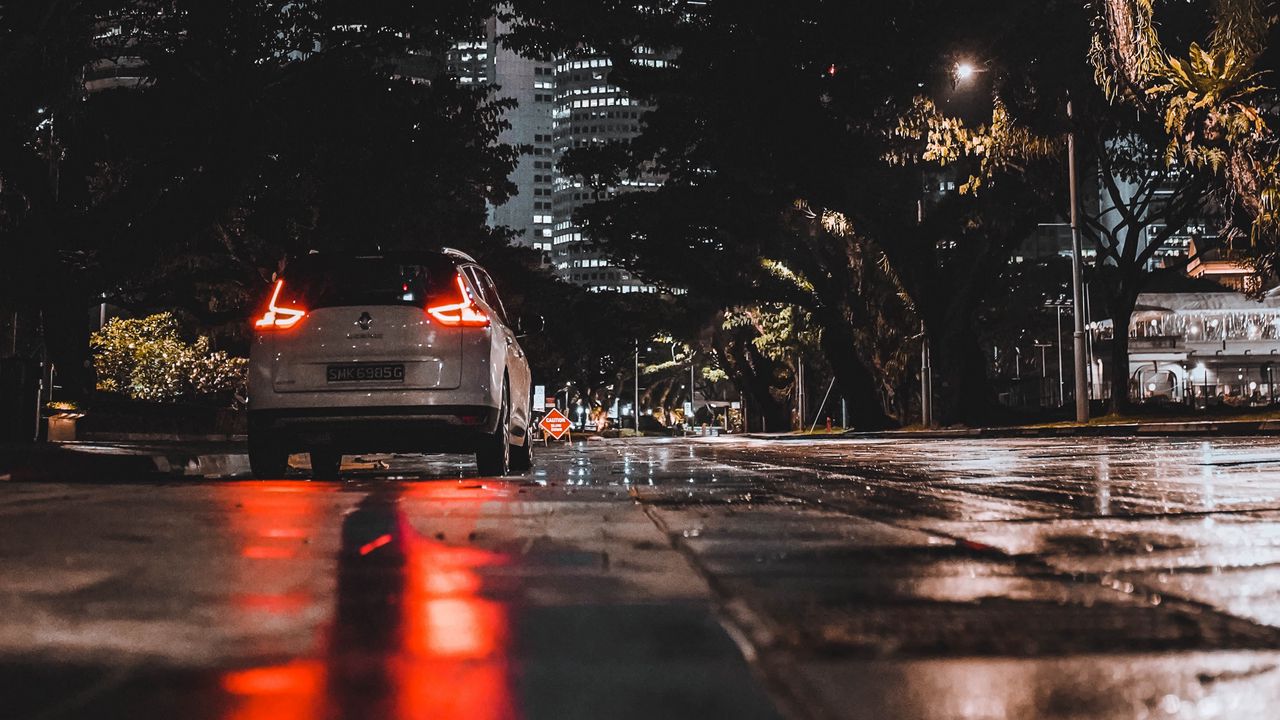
(1186, 209)
(1113, 191)
(1101, 237)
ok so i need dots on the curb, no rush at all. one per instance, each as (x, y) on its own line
(1199, 428)
(55, 464)
(160, 437)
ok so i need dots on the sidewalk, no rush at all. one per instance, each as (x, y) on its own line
(1136, 428)
(123, 461)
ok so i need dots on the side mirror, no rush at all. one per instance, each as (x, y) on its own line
(530, 325)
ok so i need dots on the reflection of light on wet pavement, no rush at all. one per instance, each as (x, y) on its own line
(454, 643)
(272, 520)
(413, 637)
(1201, 686)
(292, 691)
(901, 579)
(272, 523)
(1103, 493)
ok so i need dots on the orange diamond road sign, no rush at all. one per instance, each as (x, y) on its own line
(555, 423)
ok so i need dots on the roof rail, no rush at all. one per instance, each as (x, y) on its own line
(457, 254)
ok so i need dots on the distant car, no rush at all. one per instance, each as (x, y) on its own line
(398, 352)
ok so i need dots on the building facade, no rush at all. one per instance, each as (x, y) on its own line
(561, 106)
(590, 111)
(1202, 348)
(486, 60)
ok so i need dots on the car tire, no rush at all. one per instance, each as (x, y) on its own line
(267, 461)
(325, 464)
(522, 456)
(493, 457)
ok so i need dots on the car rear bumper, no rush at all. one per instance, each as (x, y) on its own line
(432, 428)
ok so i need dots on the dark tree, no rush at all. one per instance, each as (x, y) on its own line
(768, 104)
(192, 145)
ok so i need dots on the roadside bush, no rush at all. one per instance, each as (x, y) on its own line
(147, 359)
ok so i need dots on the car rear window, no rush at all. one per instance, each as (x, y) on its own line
(325, 281)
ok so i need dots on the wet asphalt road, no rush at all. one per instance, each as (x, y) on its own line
(1072, 578)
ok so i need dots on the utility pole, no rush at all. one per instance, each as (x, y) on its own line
(55, 171)
(1077, 293)
(800, 390)
(637, 388)
(926, 381)
(926, 372)
(1062, 397)
(1094, 380)
(691, 401)
(1045, 388)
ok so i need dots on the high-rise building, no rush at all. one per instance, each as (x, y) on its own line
(560, 106)
(531, 83)
(591, 111)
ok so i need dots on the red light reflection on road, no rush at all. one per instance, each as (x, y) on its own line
(272, 519)
(284, 692)
(412, 636)
(267, 552)
(454, 642)
(269, 522)
(272, 603)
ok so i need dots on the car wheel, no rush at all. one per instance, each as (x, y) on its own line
(522, 456)
(267, 460)
(325, 464)
(493, 457)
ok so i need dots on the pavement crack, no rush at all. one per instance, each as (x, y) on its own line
(752, 633)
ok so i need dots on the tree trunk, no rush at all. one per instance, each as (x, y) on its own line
(857, 383)
(66, 340)
(752, 374)
(1121, 310)
(961, 389)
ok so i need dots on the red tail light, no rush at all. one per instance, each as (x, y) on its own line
(277, 317)
(460, 314)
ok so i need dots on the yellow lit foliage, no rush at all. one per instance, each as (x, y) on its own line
(998, 146)
(1211, 101)
(147, 359)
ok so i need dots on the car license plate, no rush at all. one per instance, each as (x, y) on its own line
(366, 372)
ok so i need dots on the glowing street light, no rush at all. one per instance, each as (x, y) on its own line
(964, 71)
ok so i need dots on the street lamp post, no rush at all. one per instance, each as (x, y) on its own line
(1077, 294)
(689, 418)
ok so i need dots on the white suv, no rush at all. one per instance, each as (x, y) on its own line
(398, 352)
